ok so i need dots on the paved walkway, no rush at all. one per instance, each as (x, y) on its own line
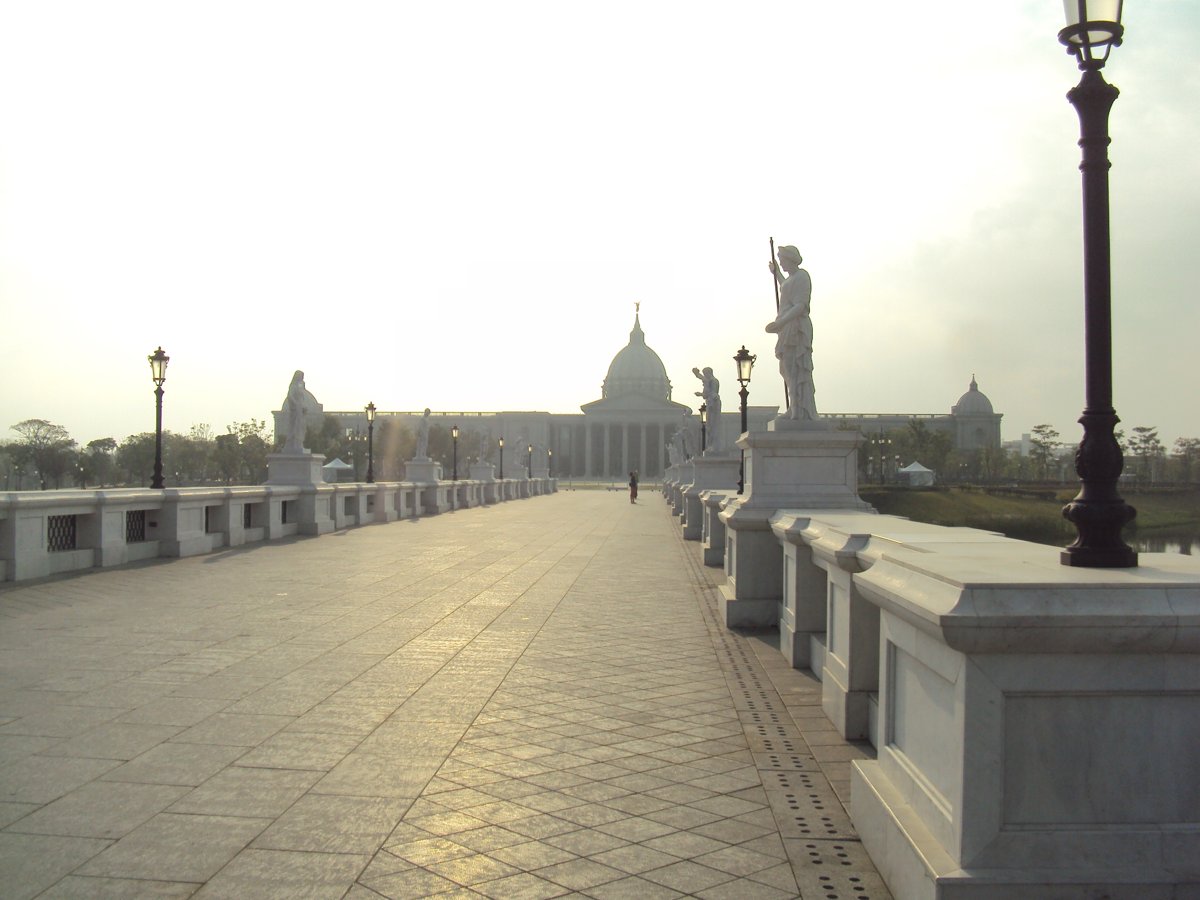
(522, 701)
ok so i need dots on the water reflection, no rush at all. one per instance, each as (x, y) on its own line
(1165, 544)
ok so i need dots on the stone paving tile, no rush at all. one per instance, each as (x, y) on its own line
(75, 887)
(30, 863)
(171, 847)
(42, 779)
(533, 700)
(114, 740)
(253, 793)
(183, 764)
(100, 809)
(333, 824)
(285, 875)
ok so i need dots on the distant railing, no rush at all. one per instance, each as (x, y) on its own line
(51, 532)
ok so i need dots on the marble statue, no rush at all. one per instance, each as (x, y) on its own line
(794, 335)
(689, 442)
(485, 446)
(423, 437)
(678, 451)
(296, 406)
(710, 392)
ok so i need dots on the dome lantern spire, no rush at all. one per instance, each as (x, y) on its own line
(637, 369)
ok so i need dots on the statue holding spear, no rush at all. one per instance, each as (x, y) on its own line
(794, 333)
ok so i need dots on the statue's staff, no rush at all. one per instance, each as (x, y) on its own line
(774, 275)
(775, 281)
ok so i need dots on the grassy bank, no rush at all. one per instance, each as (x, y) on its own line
(1034, 515)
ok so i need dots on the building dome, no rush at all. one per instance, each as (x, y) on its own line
(636, 369)
(973, 403)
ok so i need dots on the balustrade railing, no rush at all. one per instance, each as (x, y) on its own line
(50, 532)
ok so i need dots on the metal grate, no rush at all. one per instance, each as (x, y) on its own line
(209, 526)
(135, 526)
(247, 515)
(60, 533)
(285, 512)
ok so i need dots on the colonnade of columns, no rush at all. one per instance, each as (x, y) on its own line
(615, 448)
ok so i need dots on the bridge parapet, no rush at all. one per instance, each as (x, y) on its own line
(1036, 725)
(52, 532)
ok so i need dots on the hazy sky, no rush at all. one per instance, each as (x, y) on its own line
(457, 205)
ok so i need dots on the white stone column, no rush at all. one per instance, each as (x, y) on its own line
(625, 448)
(587, 449)
(607, 443)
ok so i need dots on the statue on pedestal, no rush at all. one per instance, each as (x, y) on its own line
(794, 335)
(295, 407)
(710, 392)
(423, 437)
(678, 450)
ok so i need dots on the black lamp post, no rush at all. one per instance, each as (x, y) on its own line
(529, 462)
(745, 364)
(1098, 512)
(158, 373)
(501, 459)
(703, 427)
(370, 443)
(454, 439)
(550, 463)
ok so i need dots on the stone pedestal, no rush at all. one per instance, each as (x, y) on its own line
(792, 465)
(683, 477)
(295, 468)
(714, 528)
(1038, 726)
(423, 471)
(708, 473)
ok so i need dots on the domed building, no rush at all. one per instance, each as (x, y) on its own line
(976, 424)
(636, 369)
(628, 428)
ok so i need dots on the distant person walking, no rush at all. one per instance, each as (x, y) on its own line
(633, 487)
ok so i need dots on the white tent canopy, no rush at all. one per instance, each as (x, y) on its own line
(916, 475)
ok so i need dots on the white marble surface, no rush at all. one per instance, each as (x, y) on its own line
(300, 468)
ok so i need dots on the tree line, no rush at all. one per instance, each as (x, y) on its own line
(44, 455)
(1147, 460)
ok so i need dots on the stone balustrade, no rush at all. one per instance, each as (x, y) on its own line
(1036, 725)
(50, 532)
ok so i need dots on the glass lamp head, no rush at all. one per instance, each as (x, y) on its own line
(745, 365)
(158, 366)
(1093, 29)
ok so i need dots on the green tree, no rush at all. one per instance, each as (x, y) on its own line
(240, 455)
(255, 443)
(99, 463)
(135, 458)
(227, 457)
(1146, 447)
(1043, 452)
(193, 455)
(1186, 458)
(48, 447)
(993, 463)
